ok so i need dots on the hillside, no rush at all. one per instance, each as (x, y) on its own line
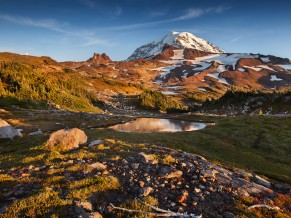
(60, 157)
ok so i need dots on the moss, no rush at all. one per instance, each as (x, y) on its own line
(168, 160)
(40, 205)
(83, 188)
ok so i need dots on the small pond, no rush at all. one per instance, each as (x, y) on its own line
(150, 125)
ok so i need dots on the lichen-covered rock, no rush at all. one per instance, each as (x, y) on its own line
(7, 131)
(66, 139)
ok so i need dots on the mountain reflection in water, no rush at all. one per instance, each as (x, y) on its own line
(147, 125)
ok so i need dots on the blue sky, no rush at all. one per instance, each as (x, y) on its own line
(75, 29)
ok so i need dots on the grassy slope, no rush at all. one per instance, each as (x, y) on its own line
(32, 82)
(278, 102)
(260, 144)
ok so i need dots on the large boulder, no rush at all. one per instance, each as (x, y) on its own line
(7, 131)
(66, 139)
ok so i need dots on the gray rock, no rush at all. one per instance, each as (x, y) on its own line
(169, 172)
(135, 166)
(228, 215)
(7, 131)
(263, 182)
(64, 140)
(95, 142)
(208, 173)
(38, 132)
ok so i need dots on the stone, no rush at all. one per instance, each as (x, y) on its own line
(7, 131)
(135, 166)
(208, 173)
(175, 174)
(197, 190)
(182, 198)
(228, 215)
(95, 142)
(95, 215)
(170, 173)
(145, 191)
(66, 139)
(38, 132)
(262, 181)
(87, 206)
(98, 166)
(148, 158)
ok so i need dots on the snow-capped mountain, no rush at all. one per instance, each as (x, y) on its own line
(177, 39)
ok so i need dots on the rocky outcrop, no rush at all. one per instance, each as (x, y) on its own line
(190, 185)
(166, 54)
(191, 54)
(248, 62)
(7, 131)
(64, 140)
(99, 59)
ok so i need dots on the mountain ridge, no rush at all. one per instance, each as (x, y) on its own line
(180, 40)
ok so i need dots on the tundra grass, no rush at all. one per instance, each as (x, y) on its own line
(260, 144)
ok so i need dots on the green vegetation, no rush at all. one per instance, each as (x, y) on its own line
(168, 160)
(24, 85)
(257, 100)
(257, 143)
(156, 100)
(47, 203)
(84, 188)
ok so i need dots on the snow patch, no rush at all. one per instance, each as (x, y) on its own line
(216, 76)
(178, 54)
(285, 66)
(169, 93)
(265, 59)
(260, 67)
(201, 89)
(275, 78)
(171, 87)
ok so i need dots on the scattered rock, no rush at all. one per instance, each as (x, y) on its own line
(145, 191)
(7, 131)
(262, 181)
(95, 215)
(98, 166)
(38, 132)
(87, 206)
(228, 215)
(135, 166)
(175, 174)
(95, 142)
(208, 173)
(148, 158)
(64, 140)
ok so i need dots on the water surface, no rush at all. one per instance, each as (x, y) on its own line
(148, 125)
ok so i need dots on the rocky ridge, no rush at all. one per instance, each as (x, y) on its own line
(179, 40)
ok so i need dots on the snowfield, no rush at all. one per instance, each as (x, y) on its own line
(275, 78)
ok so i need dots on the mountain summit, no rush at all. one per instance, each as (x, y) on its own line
(177, 39)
